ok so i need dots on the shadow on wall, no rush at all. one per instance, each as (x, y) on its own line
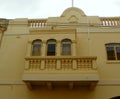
(117, 97)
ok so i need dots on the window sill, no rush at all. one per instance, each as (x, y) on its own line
(113, 62)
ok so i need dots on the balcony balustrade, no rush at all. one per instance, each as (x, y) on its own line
(55, 70)
(37, 23)
(113, 21)
(60, 63)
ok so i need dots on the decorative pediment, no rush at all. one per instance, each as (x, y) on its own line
(73, 19)
(73, 11)
(73, 15)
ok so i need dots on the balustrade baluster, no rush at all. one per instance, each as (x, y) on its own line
(32, 64)
(39, 64)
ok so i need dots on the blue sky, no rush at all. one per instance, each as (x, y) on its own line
(52, 8)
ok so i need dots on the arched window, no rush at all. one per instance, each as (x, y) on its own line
(113, 51)
(66, 47)
(36, 47)
(51, 47)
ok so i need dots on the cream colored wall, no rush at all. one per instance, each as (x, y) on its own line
(21, 92)
(18, 26)
(0, 37)
(94, 45)
(90, 42)
(12, 54)
(107, 69)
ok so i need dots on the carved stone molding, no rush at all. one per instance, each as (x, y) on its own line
(3, 25)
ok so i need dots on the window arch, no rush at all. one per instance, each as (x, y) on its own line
(36, 47)
(66, 46)
(51, 47)
(113, 51)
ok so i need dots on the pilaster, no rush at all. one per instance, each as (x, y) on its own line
(73, 48)
(43, 48)
(29, 49)
(58, 49)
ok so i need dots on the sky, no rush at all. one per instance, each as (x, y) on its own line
(11, 9)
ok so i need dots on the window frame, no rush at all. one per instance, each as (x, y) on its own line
(67, 42)
(51, 42)
(114, 46)
(36, 42)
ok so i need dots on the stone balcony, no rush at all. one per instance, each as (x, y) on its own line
(58, 71)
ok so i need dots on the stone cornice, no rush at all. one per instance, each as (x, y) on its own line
(35, 31)
(99, 29)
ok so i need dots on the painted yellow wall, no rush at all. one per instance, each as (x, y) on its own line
(90, 42)
(20, 91)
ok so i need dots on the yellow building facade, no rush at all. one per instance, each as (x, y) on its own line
(66, 57)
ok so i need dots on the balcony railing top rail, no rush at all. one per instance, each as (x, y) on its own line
(61, 57)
